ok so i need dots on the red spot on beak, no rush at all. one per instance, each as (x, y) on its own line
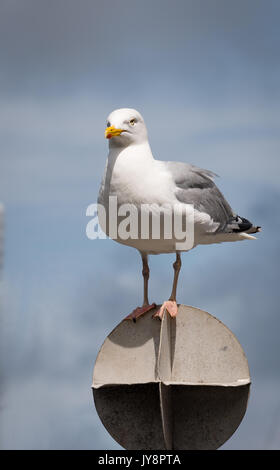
(108, 136)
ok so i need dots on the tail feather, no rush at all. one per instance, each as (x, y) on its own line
(254, 229)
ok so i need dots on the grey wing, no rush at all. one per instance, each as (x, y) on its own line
(196, 186)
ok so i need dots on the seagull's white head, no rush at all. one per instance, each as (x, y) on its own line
(125, 127)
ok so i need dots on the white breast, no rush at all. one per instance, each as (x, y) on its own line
(135, 177)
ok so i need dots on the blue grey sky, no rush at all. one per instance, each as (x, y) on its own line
(205, 74)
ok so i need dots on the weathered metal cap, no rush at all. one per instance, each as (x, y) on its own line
(179, 383)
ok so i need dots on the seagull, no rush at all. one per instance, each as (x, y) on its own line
(134, 177)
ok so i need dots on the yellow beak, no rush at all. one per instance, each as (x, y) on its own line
(112, 132)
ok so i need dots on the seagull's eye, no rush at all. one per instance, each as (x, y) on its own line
(108, 124)
(132, 122)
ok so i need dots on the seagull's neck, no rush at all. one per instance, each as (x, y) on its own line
(130, 156)
(126, 169)
(133, 175)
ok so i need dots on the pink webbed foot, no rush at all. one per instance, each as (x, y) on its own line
(170, 306)
(137, 312)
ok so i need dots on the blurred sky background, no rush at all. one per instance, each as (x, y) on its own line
(205, 74)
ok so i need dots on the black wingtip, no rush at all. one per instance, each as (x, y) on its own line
(254, 229)
(243, 224)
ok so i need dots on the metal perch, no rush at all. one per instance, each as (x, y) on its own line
(180, 383)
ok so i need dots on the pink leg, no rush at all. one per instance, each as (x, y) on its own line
(171, 305)
(137, 312)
